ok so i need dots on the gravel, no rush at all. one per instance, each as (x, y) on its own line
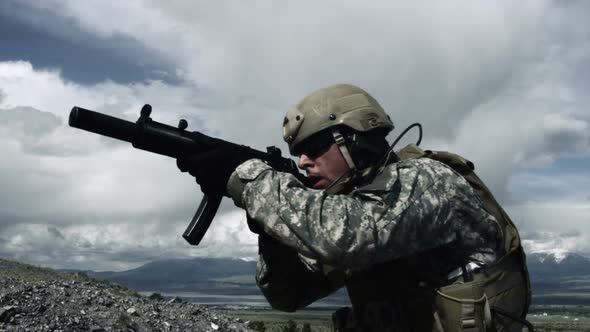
(39, 299)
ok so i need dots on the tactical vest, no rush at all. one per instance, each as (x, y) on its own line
(496, 298)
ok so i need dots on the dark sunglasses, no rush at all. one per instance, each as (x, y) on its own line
(315, 145)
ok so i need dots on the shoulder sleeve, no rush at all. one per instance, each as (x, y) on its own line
(287, 280)
(412, 206)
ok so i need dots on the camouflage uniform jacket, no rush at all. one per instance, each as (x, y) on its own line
(411, 207)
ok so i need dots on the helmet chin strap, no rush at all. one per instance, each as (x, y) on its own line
(343, 181)
(341, 143)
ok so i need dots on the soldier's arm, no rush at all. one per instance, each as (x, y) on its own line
(411, 207)
(287, 281)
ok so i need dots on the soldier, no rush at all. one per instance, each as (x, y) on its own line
(394, 232)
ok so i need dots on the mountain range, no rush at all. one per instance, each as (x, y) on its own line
(559, 278)
(556, 278)
(223, 276)
(552, 265)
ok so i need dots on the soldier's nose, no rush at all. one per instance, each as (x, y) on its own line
(304, 161)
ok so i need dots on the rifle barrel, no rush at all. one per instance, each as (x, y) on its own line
(102, 124)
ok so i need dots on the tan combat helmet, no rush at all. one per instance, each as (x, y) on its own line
(336, 105)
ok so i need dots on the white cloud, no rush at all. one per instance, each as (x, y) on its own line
(97, 184)
(415, 58)
(497, 82)
(554, 215)
(555, 225)
(515, 132)
(121, 245)
(557, 243)
(571, 186)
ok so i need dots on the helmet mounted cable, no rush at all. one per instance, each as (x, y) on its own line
(387, 155)
(405, 131)
(353, 172)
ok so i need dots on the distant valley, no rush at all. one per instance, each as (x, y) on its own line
(559, 279)
(556, 279)
(222, 276)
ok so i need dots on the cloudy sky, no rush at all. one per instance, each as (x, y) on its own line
(504, 83)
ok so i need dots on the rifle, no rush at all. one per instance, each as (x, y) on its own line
(175, 142)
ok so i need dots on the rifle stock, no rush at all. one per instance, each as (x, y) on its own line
(174, 142)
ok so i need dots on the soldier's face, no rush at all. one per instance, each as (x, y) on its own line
(323, 167)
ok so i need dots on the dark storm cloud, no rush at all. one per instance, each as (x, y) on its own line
(48, 41)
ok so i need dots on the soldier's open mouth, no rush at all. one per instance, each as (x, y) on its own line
(314, 180)
(318, 182)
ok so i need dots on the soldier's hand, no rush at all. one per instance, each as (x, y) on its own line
(213, 168)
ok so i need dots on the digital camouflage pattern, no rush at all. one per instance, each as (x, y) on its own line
(411, 207)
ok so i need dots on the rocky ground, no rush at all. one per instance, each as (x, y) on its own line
(39, 299)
